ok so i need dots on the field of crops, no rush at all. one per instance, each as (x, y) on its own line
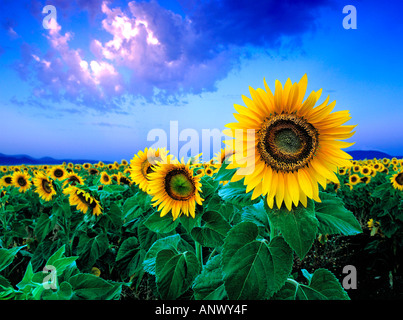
(280, 213)
(94, 230)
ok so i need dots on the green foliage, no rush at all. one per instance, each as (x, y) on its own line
(234, 248)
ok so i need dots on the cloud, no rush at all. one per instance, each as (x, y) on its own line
(148, 51)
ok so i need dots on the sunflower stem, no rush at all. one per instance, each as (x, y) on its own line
(199, 248)
(199, 253)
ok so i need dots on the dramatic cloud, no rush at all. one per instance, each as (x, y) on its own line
(148, 51)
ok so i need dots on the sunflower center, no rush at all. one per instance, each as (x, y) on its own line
(46, 186)
(8, 180)
(287, 142)
(399, 179)
(22, 182)
(58, 173)
(179, 185)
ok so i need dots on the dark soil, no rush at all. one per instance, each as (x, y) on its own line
(378, 276)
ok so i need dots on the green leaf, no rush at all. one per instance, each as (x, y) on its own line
(334, 218)
(214, 230)
(224, 174)
(89, 287)
(175, 273)
(326, 283)
(298, 227)
(322, 285)
(130, 257)
(254, 269)
(209, 284)
(235, 193)
(27, 279)
(44, 225)
(64, 292)
(7, 256)
(90, 249)
(115, 215)
(159, 224)
(256, 214)
(170, 243)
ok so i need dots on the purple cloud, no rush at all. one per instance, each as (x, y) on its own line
(151, 52)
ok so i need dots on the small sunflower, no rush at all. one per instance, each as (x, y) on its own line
(7, 180)
(365, 170)
(342, 171)
(105, 178)
(86, 166)
(397, 180)
(44, 186)
(93, 171)
(143, 164)
(365, 179)
(284, 146)
(74, 179)
(354, 179)
(209, 171)
(174, 187)
(58, 173)
(21, 180)
(379, 167)
(83, 200)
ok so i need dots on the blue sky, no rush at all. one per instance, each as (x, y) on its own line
(107, 73)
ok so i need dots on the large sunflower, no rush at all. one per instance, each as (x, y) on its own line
(397, 181)
(44, 186)
(284, 146)
(83, 200)
(142, 165)
(174, 187)
(20, 180)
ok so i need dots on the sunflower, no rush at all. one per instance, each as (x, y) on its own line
(365, 170)
(124, 162)
(354, 179)
(174, 187)
(7, 180)
(208, 171)
(58, 173)
(356, 168)
(397, 181)
(143, 164)
(4, 169)
(83, 200)
(123, 180)
(21, 180)
(93, 171)
(296, 146)
(105, 178)
(342, 171)
(365, 179)
(73, 179)
(44, 186)
(379, 167)
(86, 166)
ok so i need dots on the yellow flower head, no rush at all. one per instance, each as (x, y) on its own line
(284, 146)
(83, 200)
(174, 187)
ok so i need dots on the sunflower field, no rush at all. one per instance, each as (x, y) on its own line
(269, 226)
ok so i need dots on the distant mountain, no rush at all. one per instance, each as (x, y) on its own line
(15, 160)
(370, 154)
